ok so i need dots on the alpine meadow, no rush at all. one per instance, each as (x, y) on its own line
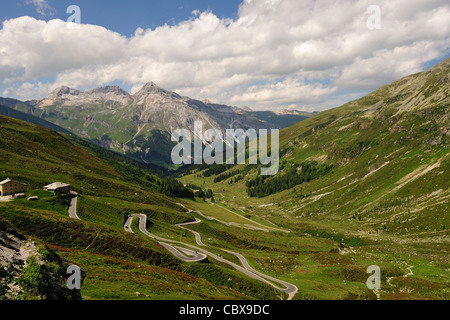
(287, 150)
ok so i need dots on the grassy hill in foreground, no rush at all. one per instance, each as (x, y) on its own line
(117, 264)
(385, 200)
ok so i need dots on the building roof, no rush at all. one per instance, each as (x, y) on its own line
(56, 185)
(9, 180)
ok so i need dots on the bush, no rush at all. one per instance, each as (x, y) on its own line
(35, 280)
(61, 199)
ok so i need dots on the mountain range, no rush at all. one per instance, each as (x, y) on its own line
(140, 125)
(366, 184)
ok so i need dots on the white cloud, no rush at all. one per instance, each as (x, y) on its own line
(276, 54)
(283, 93)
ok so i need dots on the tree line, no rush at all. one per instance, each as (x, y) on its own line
(174, 188)
(263, 186)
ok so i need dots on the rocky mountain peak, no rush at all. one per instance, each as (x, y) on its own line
(67, 96)
(151, 89)
(63, 90)
(109, 89)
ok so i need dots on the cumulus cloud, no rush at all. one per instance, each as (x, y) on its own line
(276, 54)
(287, 93)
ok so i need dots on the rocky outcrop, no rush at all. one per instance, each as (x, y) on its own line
(67, 96)
(16, 252)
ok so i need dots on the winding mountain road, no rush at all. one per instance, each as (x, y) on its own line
(290, 288)
(73, 205)
(261, 226)
(197, 235)
(195, 254)
(183, 254)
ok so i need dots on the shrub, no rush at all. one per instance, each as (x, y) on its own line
(35, 280)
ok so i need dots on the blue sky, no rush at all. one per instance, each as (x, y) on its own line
(265, 54)
(122, 16)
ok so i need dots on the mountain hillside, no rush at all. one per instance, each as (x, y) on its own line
(110, 187)
(141, 125)
(10, 112)
(282, 119)
(376, 169)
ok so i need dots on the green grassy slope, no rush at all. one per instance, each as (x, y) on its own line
(282, 120)
(390, 150)
(39, 156)
(385, 202)
(118, 264)
(10, 112)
